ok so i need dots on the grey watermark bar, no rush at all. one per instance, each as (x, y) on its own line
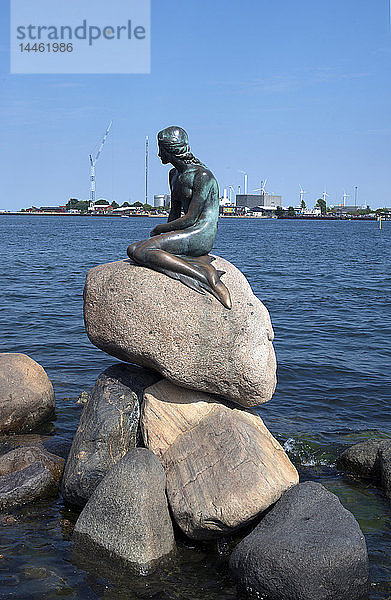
(80, 36)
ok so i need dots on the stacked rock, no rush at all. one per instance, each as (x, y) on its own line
(144, 317)
(223, 466)
(208, 457)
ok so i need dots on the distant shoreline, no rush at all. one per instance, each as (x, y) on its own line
(296, 218)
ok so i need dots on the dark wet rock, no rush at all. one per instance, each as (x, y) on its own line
(10, 442)
(26, 394)
(59, 445)
(385, 469)
(308, 547)
(19, 459)
(362, 459)
(55, 444)
(107, 429)
(127, 515)
(35, 482)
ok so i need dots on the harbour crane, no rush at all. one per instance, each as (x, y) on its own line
(93, 163)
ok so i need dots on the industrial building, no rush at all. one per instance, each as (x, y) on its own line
(262, 200)
(345, 210)
(162, 201)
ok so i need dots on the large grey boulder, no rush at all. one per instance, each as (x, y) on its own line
(308, 547)
(127, 515)
(26, 394)
(107, 429)
(30, 484)
(223, 466)
(144, 317)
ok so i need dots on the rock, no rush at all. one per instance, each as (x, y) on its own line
(55, 444)
(385, 469)
(8, 520)
(107, 429)
(127, 515)
(19, 459)
(58, 445)
(144, 317)
(26, 394)
(28, 485)
(308, 547)
(10, 442)
(82, 398)
(168, 411)
(362, 459)
(223, 466)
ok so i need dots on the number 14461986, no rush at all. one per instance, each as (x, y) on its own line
(54, 47)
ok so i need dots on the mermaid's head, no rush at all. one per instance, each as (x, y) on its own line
(174, 143)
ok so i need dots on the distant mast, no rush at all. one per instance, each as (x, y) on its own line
(302, 192)
(245, 181)
(146, 168)
(92, 166)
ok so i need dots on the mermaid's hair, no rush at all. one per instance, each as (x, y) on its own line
(176, 142)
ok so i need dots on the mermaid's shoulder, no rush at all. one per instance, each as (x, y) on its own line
(204, 174)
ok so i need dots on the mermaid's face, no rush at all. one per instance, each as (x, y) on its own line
(163, 155)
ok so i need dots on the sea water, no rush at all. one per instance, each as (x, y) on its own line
(327, 286)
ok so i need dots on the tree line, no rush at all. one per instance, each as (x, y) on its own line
(82, 205)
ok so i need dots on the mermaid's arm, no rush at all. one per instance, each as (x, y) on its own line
(176, 208)
(175, 211)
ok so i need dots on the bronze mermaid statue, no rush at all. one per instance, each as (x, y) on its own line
(180, 247)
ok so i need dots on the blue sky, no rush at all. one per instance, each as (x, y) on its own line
(296, 91)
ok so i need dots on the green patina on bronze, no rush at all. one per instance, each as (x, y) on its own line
(180, 248)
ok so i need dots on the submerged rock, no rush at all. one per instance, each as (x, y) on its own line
(55, 444)
(223, 466)
(27, 485)
(308, 547)
(144, 317)
(370, 459)
(127, 515)
(107, 429)
(10, 442)
(26, 394)
(362, 459)
(19, 459)
(385, 469)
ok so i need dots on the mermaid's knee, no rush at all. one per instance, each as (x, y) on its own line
(131, 249)
(141, 253)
